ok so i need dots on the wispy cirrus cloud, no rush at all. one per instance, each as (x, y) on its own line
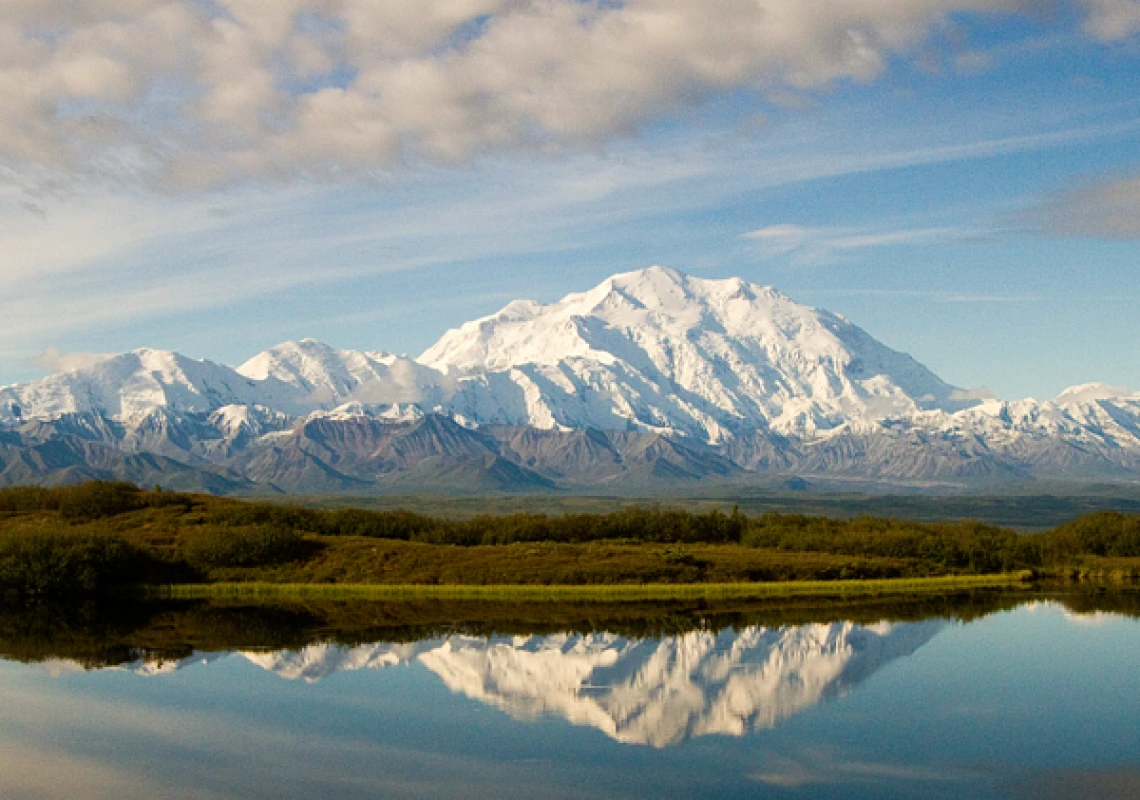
(812, 246)
(96, 258)
(936, 295)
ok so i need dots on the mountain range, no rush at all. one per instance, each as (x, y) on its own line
(651, 378)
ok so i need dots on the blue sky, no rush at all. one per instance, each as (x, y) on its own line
(958, 178)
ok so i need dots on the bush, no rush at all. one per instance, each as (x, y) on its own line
(23, 499)
(397, 524)
(61, 564)
(83, 503)
(97, 500)
(966, 545)
(210, 548)
(1105, 533)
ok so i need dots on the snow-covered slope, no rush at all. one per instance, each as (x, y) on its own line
(660, 350)
(325, 377)
(295, 378)
(138, 382)
(1092, 392)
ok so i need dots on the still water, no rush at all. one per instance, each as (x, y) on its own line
(1022, 699)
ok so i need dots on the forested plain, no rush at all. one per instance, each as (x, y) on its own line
(101, 537)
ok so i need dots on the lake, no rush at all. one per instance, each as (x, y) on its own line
(972, 696)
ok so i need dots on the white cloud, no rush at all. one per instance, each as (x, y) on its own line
(781, 232)
(65, 234)
(860, 241)
(779, 240)
(196, 94)
(53, 360)
(95, 260)
(813, 246)
(1112, 20)
(940, 296)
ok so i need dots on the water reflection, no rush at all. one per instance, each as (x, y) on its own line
(207, 701)
(658, 692)
(661, 692)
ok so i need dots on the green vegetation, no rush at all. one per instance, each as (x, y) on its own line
(53, 564)
(1104, 534)
(253, 546)
(1043, 507)
(84, 539)
(963, 546)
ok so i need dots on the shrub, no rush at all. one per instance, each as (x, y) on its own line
(398, 524)
(1105, 533)
(212, 547)
(52, 564)
(88, 501)
(98, 499)
(965, 545)
(22, 499)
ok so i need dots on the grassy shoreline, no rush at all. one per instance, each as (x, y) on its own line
(590, 592)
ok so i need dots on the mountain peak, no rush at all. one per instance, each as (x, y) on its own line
(308, 363)
(1091, 392)
(661, 350)
(660, 287)
(662, 280)
(133, 384)
(326, 377)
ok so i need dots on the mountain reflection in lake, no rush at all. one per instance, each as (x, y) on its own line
(1037, 700)
(642, 691)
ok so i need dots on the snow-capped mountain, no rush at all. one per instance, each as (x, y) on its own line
(648, 378)
(656, 692)
(667, 352)
(138, 382)
(293, 377)
(326, 378)
(652, 350)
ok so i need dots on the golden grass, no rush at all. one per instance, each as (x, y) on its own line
(609, 593)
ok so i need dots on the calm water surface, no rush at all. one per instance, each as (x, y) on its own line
(1031, 701)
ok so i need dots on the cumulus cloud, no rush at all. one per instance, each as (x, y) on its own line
(199, 94)
(1106, 209)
